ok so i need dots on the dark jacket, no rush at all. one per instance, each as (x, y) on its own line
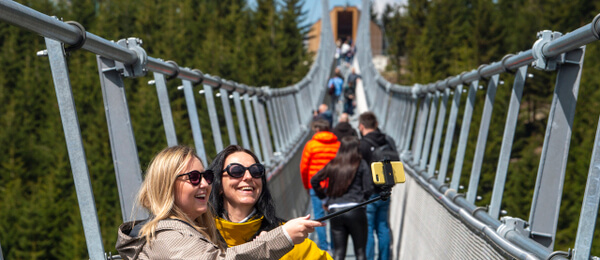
(352, 79)
(344, 129)
(359, 190)
(366, 148)
(325, 116)
(350, 92)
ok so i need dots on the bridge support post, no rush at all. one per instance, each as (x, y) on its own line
(239, 111)
(252, 126)
(484, 127)
(420, 131)
(283, 140)
(190, 101)
(433, 109)
(77, 157)
(553, 162)
(294, 114)
(507, 140)
(263, 130)
(165, 108)
(433, 158)
(275, 125)
(402, 105)
(589, 208)
(410, 124)
(122, 140)
(228, 116)
(449, 138)
(214, 118)
(464, 135)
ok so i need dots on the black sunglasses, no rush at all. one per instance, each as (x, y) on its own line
(237, 170)
(196, 176)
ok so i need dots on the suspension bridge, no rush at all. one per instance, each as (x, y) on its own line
(430, 216)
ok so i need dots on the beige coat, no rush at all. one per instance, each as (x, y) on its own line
(176, 239)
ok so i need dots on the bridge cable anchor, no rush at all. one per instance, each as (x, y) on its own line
(511, 224)
(138, 68)
(504, 66)
(542, 62)
(562, 254)
(593, 27)
(82, 37)
(176, 73)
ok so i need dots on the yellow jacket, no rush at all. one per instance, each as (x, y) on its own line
(239, 233)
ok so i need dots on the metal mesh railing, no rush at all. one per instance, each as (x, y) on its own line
(425, 229)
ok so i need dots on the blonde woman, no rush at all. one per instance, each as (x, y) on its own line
(175, 192)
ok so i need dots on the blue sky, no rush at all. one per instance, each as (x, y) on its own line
(313, 7)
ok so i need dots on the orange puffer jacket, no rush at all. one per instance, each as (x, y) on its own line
(317, 153)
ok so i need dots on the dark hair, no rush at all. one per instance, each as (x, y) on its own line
(320, 125)
(338, 73)
(264, 206)
(342, 169)
(368, 120)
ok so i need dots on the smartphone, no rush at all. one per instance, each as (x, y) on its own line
(387, 173)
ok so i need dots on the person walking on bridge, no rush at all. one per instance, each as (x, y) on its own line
(335, 85)
(343, 128)
(317, 152)
(350, 92)
(323, 113)
(350, 183)
(377, 212)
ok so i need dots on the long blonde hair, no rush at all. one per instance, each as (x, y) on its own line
(157, 193)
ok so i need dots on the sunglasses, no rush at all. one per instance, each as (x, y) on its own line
(237, 170)
(196, 176)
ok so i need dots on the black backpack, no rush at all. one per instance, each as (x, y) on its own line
(388, 151)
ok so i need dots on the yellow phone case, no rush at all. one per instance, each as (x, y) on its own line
(379, 176)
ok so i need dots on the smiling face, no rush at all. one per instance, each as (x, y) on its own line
(192, 200)
(240, 194)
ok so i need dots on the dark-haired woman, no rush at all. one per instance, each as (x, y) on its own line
(350, 183)
(243, 204)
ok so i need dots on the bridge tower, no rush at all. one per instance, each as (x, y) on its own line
(344, 22)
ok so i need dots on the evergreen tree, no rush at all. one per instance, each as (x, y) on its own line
(264, 44)
(396, 24)
(293, 56)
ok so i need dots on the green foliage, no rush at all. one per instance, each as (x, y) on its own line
(433, 39)
(39, 211)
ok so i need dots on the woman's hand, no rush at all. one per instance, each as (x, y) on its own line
(299, 228)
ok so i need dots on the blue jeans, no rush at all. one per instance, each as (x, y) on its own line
(319, 212)
(349, 107)
(334, 101)
(377, 217)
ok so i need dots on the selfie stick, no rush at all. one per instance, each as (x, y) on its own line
(384, 195)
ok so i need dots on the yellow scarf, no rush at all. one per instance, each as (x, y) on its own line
(239, 233)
